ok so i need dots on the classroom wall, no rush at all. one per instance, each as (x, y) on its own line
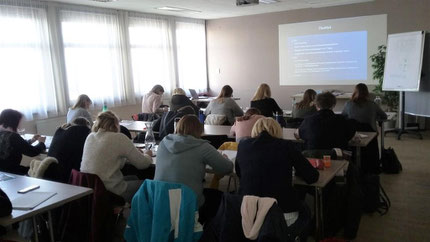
(243, 51)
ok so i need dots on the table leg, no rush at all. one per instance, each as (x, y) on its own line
(319, 223)
(51, 228)
(36, 237)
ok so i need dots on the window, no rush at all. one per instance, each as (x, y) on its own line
(92, 51)
(151, 54)
(26, 73)
(191, 48)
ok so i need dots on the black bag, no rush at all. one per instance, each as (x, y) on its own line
(375, 197)
(390, 162)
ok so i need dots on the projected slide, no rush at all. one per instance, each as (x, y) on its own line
(330, 52)
(326, 57)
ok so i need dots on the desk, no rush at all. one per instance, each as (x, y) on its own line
(65, 193)
(134, 126)
(217, 130)
(47, 141)
(207, 100)
(363, 140)
(325, 177)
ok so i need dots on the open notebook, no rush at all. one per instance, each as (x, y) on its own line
(31, 200)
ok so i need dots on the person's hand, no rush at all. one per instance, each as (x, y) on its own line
(148, 152)
(35, 137)
(41, 139)
(296, 135)
(225, 156)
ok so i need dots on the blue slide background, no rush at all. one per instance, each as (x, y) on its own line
(333, 56)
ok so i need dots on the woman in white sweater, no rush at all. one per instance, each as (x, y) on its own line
(105, 153)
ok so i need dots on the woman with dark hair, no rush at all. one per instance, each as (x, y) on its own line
(362, 109)
(13, 146)
(243, 126)
(80, 109)
(182, 158)
(305, 107)
(263, 101)
(224, 105)
(151, 101)
(180, 100)
(366, 112)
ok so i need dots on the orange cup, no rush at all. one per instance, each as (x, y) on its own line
(327, 161)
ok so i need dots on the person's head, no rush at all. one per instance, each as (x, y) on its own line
(158, 89)
(226, 91)
(106, 121)
(11, 119)
(249, 113)
(361, 93)
(189, 125)
(269, 125)
(80, 121)
(308, 98)
(325, 100)
(262, 92)
(178, 91)
(83, 102)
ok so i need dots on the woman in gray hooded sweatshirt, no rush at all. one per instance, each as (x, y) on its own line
(182, 158)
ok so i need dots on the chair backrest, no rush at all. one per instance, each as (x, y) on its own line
(39, 167)
(161, 211)
(216, 119)
(229, 146)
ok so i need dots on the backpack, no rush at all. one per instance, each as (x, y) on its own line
(375, 197)
(389, 161)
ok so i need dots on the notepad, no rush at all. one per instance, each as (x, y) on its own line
(31, 200)
(5, 177)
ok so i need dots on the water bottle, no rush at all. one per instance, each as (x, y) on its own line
(105, 108)
(149, 137)
(378, 100)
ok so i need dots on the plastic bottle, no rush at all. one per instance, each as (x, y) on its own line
(105, 108)
(149, 137)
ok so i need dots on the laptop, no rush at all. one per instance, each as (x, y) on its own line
(194, 95)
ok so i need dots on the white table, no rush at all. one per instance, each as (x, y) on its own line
(47, 141)
(135, 126)
(65, 193)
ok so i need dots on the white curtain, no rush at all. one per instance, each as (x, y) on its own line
(191, 49)
(151, 50)
(26, 76)
(92, 53)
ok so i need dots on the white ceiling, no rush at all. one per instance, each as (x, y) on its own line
(210, 9)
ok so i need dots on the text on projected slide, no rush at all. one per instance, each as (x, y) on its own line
(328, 57)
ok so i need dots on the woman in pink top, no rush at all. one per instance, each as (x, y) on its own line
(243, 126)
(152, 100)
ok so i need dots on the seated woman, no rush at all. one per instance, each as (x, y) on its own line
(13, 146)
(179, 100)
(243, 126)
(264, 164)
(262, 101)
(306, 107)
(80, 109)
(224, 105)
(151, 101)
(366, 112)
(67, 147)
(105, 153)
(182, 158)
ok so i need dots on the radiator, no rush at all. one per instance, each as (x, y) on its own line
(49, 126)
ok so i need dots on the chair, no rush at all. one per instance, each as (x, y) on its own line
(163, 211)
(92, 217)
(216, 119)
(39, 167)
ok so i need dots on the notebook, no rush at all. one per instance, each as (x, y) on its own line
(31, 200)
(5, 177)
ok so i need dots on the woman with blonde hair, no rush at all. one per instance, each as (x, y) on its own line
(263, 101)
(106, 150)
(80, 109)
(225, 105)
(179, 100)
(305, 107)
(182, 158)
(152, 101)
(243, 126)
(264, 164)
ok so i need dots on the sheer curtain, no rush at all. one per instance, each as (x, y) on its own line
(92, 53)
(151, 53)
(26, 76)
(191, 49)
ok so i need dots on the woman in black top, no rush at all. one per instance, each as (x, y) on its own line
(179, 100)
(264, 164)
(67, 146)
(13, 146)
(262, 101)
